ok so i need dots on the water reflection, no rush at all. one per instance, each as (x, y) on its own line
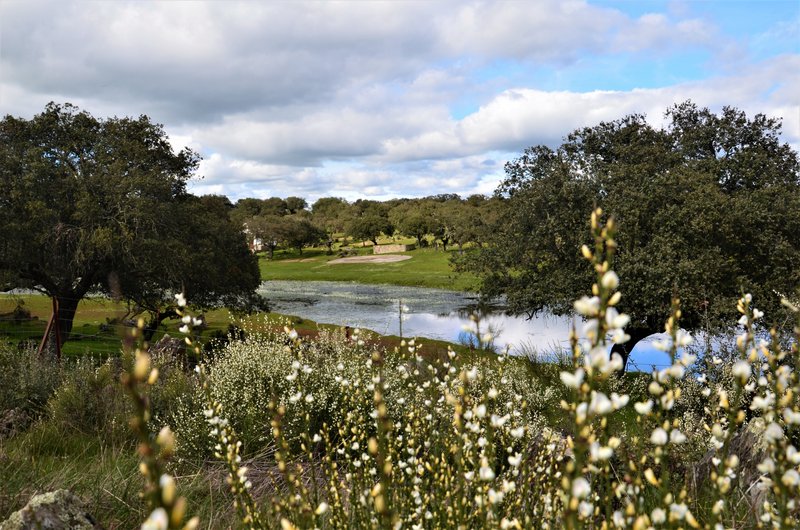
(432, 313)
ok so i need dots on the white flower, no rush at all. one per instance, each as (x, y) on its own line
(181, 300)
(157, 521)
(676, 436)
(571, 380)
(480, 410)
(587, 306)
(580, 412)
(610, 280)
(184, 329)
(773, 432)
(615, 319)
(618, 336)
(581, 488)
(585, 509)
(741, 369)
(598, 452)
(654, 388)
(792, 455)
(687, 359)
(791, 478)
(619, 401)
(644, 408)
(658, 516)
(598, 358)
(515, 460)
(600, 404)
(791, 417)
(495, 496)
(767, 465)
(616, 363)
(678, 510)
(659, 437)
(682, 338)
(764, 402)
(519, 432)
(322, 508)
(485, 472)
(498, 421)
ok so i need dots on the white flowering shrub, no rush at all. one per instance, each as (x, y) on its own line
(360, 437)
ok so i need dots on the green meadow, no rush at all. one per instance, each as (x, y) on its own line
(428, 267)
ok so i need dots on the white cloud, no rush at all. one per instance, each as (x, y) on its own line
(347, 99)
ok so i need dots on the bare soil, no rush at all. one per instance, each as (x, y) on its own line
(381, 258)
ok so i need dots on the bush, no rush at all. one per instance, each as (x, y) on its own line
(90, 401)
(26, 380)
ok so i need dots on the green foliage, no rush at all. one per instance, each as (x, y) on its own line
(706, 207)
(330, 213)
(26, 381)
(89, 402)
(101, 205)
(369, 226)
(299, 233)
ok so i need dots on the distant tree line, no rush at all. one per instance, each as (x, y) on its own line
(444, 220)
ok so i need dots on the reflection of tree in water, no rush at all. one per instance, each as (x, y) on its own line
(482, 335)
(481, 309)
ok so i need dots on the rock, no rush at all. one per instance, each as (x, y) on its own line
(56, 510)
(13, 422)
(749, 445)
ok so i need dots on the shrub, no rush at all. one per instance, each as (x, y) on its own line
(89, 400)
(26, 381)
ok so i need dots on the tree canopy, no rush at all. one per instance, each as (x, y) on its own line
(706, 207)
(100, 205)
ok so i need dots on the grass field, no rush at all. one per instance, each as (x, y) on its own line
(427, 268)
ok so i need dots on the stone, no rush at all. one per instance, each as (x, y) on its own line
(55, 510)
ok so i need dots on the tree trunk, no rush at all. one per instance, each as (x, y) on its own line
(624, 350)
(152, 325)
(271, 251)
(67, 305)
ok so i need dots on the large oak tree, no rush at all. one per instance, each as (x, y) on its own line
(100, 205)
(707, 206)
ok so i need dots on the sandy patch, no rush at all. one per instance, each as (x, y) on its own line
(297, 260)
(382, 258)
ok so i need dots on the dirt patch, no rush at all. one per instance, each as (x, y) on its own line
(382, 258)
(297, 260)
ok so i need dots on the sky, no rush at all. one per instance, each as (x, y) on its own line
(391, 99)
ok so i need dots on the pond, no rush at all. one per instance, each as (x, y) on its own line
(430, 313)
